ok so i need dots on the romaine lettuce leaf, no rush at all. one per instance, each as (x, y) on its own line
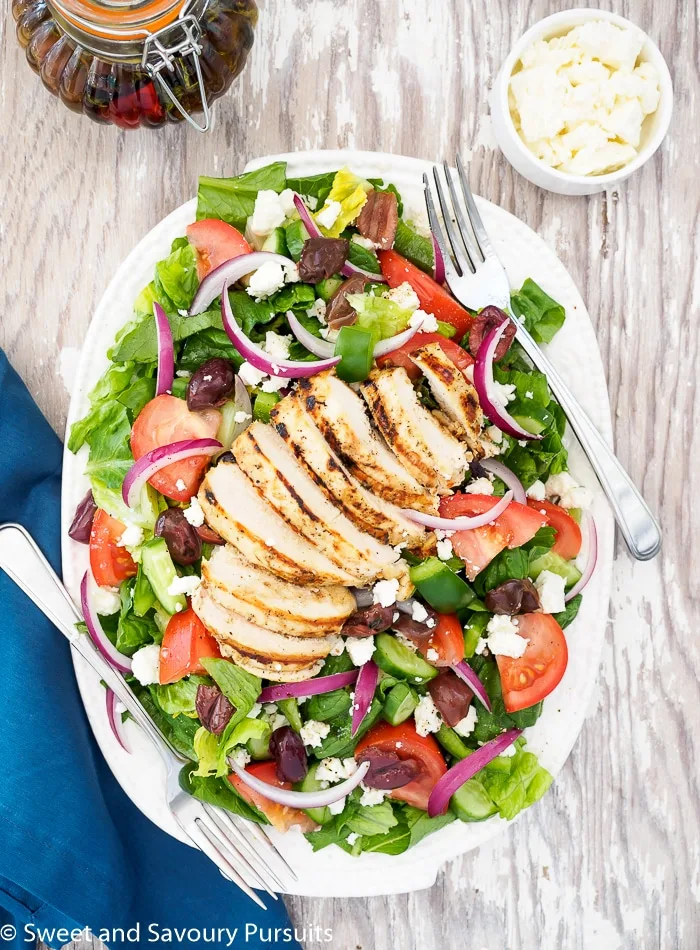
(351, 193)
(381, 316)
(233, 199)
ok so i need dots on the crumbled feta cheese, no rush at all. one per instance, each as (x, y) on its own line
(194, 514)
(536, 490)
(270, 709)
(334, 770)
(241, 417)
(427, 716)
(367, 243)
(444, 549)
(352, 838)
(550, 590)
(360, 649)
(529, 395)
(183, 373)
(418, 612)
(180, 485)
(314, 732)
(106, 600)
(291, 272)
(329, 334)
(278, 721)
(184, 585)
(503, 637)
(249, 375)
(557, 485)
(567, 492)
(268, 213)
(432, 655)
(338, 647)
(277, 345)
(479, 486)
(385, 592)
(481, 645)
(255, 711)
(145, 664)
(318, 310)
(286, 202)
(579, 497)
(266, 280)
(131, 537)
(426, 321)
(409, 644)
(328, 215)
(465, 726)
(503, 393)
(495, 434)
(240, 756)
(273, 384)
(372, 796)
(403, 296)
(335, 808)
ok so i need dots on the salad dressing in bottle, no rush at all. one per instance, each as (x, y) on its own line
(136, 63)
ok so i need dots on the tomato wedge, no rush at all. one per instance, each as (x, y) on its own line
(167, 419)
(186, 642)
(446, 639)
(281, 817)
(109, 563)
(568, 543)
(407, 744)
(401, 357)
(214, 242)
(529, 678)
(433, 298)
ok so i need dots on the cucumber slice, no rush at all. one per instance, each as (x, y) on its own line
(451, 742)
(159, 569)
(259, 747)
(276, 242)
(471, 803)
(326, 288)
(532, 418)
(473, 632)
(399, 704)
(311, 784)
(295, 234)
(290, 709)
(557, 565)
(397, 660)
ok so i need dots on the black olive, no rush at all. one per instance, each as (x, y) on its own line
(183, 542)
(82, 520)
(513, 597)
(211, 384)
(451, 695)
(289, 753)
(321, 258)
(376, 617)
(213, 708)
(386, 769)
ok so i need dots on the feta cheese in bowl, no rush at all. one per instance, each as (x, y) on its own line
(582, 101)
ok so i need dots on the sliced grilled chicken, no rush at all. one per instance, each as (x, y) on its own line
(342, 419)
(273, 469)
(234, 509)
(260, 644)
(425, 448)
(264, 599)
(454, 394)
(378, 517)
(278, 673)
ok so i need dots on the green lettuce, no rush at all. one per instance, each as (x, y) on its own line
(521, 786)
(381, 316)
(218, 792)
(179, 699)
(233, 199)
(543, 317)
(177, 277)
(351, 193)
(414, 247)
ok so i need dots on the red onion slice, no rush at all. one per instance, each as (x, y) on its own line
(349, 270)
(510, 479)
(460, 773)
(257, 357)
(115, 722)
(312, 343)
(394, 342)
(286, 796)
(241, 399)
(592, 557)
(226, 274)
(459, 524)
(153, 461)
(484, 385)
(305, 215)
(467, 674)
(166, 351)
(364, 693)
(439, 266)
(97, 634)
(314, 687)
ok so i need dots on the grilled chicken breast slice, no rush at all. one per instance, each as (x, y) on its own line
(278, 673)
(260, 644)
(268, 601)
(454, 394)
(342, 419)
(380, 518)
(235, 510)
(425, 448)
(273, 469)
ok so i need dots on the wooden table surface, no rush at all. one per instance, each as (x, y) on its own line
(611, 857)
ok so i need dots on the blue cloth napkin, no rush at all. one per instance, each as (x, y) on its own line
(74, 851)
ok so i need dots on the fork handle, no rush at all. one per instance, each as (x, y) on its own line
(22, 560)
(636, 522)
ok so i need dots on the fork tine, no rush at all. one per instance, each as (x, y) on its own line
(480, 232)
(436, 228)
(225, 845)
(473, 250)
(252, 858)
(463, 263)
(209, 844)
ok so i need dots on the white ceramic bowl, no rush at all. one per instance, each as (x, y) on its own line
(518, 154)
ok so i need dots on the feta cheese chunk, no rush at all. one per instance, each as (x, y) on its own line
(249, 375)
(266, 280)
(444, 549)
(360, 649)
(426, 321)
(268, 213)
(194, 513)
(465, 726)
(131, 537)
(184, 585)
(427, 717)
(372, 796)
(106, 600)
(566, 491)
(367, 243)
(403, 296)
(335, 808)
(277, 345)
(385, 592)
(240, 756)
(145, 664)
(418, 612)
(550, 590)
(314, 732)
(352, 838)
(536, 490)
(328, 215)
(333, 770)
(503, 637)
(479, 486)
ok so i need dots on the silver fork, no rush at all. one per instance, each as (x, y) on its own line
(477, 278)
(232, 843)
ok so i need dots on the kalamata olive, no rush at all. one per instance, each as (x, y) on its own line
(379, 218)
(211, 384)
(513, 597)
(183, 542)
(489, 318)
(386, 769)
(376, 617)
(288, 751)
(321, 258)
(339, 312)
(213, 708)
(416, 631)
(82, 520)
(225, 458)
(208, 535)
(451, 695)
(358, 630)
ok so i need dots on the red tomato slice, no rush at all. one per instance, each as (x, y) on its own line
(529, 678)
(407, 744)
(167, 419)
(214, 242)
(446, 639)
(400, 357)
(186, 642)
(433, 298)
(568, 543)
(109, 563)
(281, 817)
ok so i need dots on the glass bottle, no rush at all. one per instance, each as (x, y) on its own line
(137, 63)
